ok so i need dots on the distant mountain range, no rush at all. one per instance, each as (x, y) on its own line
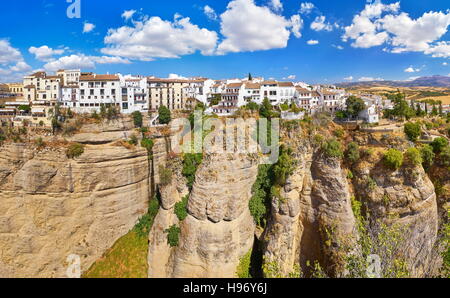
(433, 81)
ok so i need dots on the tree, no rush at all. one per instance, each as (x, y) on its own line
(216, 99)
(284, 167)
(353, 152)
(137, 118)
(427, 156)
(173, 235)
(266, 109)
(438, 144)
(252, 106)
(332, 148)
(250, 78)
(413, 156)
(354, 106)
(402, 109)
(190, 166)
(75, 150)
(413, 131)
(393, 158)
(164, 115)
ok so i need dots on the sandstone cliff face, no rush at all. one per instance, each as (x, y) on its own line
(405, 198)
(52, 207)
(218, 230)
(312, 217)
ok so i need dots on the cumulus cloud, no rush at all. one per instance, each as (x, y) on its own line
(412, 69)
(444, 63)
(320, 24)
(296, 25)
(380, 23)
(176, 76)
(128, 14)
(369, 79)
(45, 53)
(248, 27)
(276, 5)
(12, 65)
(290, 77)
(83, 62)
(312, 42)
(156, 38)
(350, 78)
(8, 54)
(88, 27)
(210, 12)
(306, 7)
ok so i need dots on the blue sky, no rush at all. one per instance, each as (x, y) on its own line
(312, 41)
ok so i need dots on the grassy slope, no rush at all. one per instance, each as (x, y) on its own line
(126, 259)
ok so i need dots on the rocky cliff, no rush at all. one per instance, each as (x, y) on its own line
(52, 206)
(218, 230)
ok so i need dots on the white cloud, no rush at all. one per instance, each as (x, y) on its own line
(369, 79)
(88, 27)
(45, 53)
(320, 24)
(296, 25)
(128, 14)
(248, 27)
(444, 63)
(156, 38)
(339, 47)
(276, 5)
(417, 35)
(12, 65)
(290, 77)
(83, 62)
(8, 54)
(210, 12)
(412, 69)
(176, 76)
(350, 78)
(306, 7)
(404, 34)
(312, 42)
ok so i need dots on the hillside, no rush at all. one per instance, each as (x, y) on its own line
(432, 81)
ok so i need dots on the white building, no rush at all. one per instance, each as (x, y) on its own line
(370, 114)
(200, 89)
(96, 90)
(135, 95)
(71, 77)
(277, 92)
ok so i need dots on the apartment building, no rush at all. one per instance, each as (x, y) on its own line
(331, 100)
(232, 99)
(277, 92)
(252, 92)
(71, 77)
(96, 90)
(134, 94)
(199, 88)
(15, 89)
(43, 88)
(167, 92)
(307, 100)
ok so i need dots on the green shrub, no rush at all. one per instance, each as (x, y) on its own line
(349, 175)
(191, 162)
(181, 208)
(352, 153)
(284, 167)
(393, 159)
(147, 144)
(145, 223)
(444, 157)
(332, 148)
(173, 234)
(427, 156)
(243, 269)
(413, 131)
(413, 156)
(75, 150)
(39, 143)
(137, 119)
(165, 175)
(339, 133)
(164, 115)
(438, 144)
(133, 140)
(260, 200)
